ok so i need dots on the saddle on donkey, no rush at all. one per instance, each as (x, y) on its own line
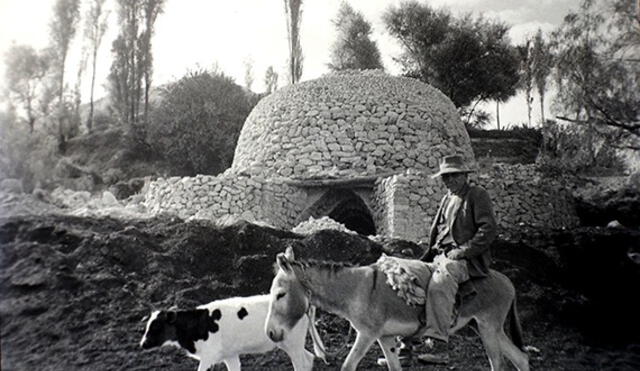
(409, 278)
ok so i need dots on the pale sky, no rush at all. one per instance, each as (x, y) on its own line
(203, 33)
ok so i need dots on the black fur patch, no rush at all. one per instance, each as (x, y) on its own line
(194, 325)
(216, 315)
(242, 313)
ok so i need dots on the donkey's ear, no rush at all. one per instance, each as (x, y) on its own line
(283, 262)
(289, 253)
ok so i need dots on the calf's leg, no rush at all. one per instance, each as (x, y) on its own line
(205, 364)
(233, 364)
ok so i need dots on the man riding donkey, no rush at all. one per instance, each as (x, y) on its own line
(460, 239)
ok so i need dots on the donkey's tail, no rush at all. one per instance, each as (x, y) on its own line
(318, 346)
(515, 329)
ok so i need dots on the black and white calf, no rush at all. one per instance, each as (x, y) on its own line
(223, 329)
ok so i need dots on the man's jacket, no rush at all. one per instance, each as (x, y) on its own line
(473, 228)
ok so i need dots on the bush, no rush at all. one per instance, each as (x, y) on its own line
(513, 145)
(197, 122)
(25, 155)
(577, 150)
(516, 132)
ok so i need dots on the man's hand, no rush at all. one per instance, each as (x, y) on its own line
(455, 254)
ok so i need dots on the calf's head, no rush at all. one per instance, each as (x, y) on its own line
(160, 330)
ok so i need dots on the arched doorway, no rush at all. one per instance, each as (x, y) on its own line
(344, 206)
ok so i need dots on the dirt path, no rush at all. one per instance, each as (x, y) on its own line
(74, 291)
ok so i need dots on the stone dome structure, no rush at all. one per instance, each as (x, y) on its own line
(353, 123)
(357, 147)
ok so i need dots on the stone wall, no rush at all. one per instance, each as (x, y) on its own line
(407, 203)
(211, 197)
(522, 196)
(402, 205)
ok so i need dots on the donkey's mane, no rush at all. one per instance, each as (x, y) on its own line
(325, 265)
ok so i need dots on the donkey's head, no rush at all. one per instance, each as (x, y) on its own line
(288, 301)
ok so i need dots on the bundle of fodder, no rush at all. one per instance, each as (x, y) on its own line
(313, 225)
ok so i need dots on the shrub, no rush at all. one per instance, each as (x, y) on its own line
(197, 122)
(577, 150)
(25, 155)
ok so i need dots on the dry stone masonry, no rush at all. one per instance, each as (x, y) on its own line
(310, 149)
(346, 124)
(211, 197)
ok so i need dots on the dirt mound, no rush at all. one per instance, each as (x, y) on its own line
(74, 291)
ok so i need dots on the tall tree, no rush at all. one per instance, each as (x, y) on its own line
(597, 70)
(293, 14)
(270, 80)
(150, 11)
(353, 47)
(248, 73)
(132, 66)
(25, 75)
(63, 27)
(542, 61)
(96, 19)
(77, 89)
(469, 59)
(526, 74)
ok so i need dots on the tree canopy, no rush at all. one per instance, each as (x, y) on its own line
(198, 122)
(469, 59)
(270, 80)
(597, 69)
(293, 14)
(353, 47)
(25, 76)
(542, 62)
(132, 66)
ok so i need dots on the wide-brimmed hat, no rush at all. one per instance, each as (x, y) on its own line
(451, 165)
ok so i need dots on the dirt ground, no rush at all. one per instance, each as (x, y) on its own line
(73, 291)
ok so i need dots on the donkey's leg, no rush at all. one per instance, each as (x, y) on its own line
(388, 345)
(293, 345)
(359, 349)
(519, 358)
(301, 358)
(491, 342)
